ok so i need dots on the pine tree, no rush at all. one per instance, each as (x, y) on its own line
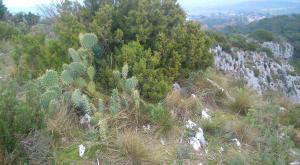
(3, 11)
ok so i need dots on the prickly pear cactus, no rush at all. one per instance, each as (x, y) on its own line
(80, 83)
(47, 97)
(80, 101)
(85, 104)
(117, 75)
(50, 79)
(77, 68)
(91, 87)
(66, 67)
(76, 98)
(131, 83)
(66, 77)
(88, 40)
(74, 55)
(125, 71)
(115, 102)
(101, 106)
(91, 72)
(136, 98)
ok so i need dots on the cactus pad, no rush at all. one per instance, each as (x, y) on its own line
(50, 79)
(91, 87)
(116, 75)
(131, 83)
(100, 105)
(125, 71)
(66, 77)
(115, 102)
(88, 40)
(74, 55)
(77, 68)
(91, 72)
(76, 98)
(47, 97)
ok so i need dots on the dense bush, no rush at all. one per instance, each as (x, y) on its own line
(34, 54)
(7, 30)
(153, 38)
(16, 117)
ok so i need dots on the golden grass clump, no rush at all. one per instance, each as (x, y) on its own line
(243, 131)
(133, 149)
(180, 106)
(62, 123)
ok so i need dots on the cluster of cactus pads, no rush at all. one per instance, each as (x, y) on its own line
(81, 71)
(130, 95)
(50, 83)
(79, 74)
(77, 80)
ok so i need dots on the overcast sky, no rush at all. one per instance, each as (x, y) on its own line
(19, 5)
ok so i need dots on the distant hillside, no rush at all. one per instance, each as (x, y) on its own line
(287, 27)
(274, 7)
(288, 6)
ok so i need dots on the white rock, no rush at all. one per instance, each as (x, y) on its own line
(200, 136)
(146, 127)
(86, 119)
(176, 87)
(190, 124)
(221, 150)
(282, 109)
(205, 115)
(81, 150)
(237, 142)
(198, 141)
(162, 141)
(295, 163)
(195, 143)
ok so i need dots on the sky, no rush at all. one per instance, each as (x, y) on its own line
(29, 5)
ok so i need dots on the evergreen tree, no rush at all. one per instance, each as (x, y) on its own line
(3, 11)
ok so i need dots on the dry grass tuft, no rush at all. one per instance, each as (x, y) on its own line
(243, 101)
(180, 106)
(278, 98)
(133, 149)
(243, 131)
(62, 123)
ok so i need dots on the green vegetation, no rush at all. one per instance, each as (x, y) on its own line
(227, 42)
(98, 79)
(262, 35)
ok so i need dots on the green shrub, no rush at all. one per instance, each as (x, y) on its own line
(158, 44)
(161, 117)
(7, 31)
(16, 117)
(33, 55)
(292, 117)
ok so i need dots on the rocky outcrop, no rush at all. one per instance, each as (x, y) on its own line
(280, 50)
(261, 72)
